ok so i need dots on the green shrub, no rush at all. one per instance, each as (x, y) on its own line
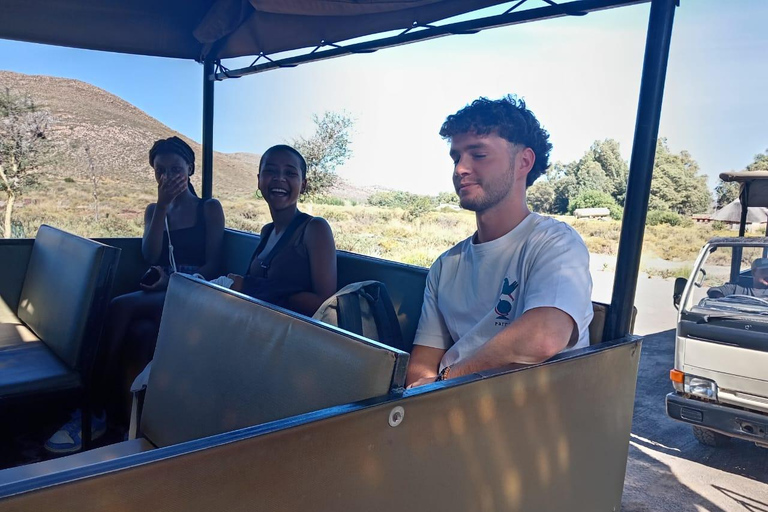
(69, 180)
(596, 199)
(719, 225)
(418, 207)
(657, 217)
(331, 200)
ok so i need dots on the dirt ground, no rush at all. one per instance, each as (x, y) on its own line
(667, 469)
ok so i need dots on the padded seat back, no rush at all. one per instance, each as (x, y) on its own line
(226, 361)
(597, 325)
(66, 292)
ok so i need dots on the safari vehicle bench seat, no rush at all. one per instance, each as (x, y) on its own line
(225, 361)
(49, 343)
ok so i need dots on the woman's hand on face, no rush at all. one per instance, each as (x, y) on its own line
(159, 285)
(237, 284)
(170, 187)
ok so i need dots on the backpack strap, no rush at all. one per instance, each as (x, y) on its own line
(296, 222)
(349, 314)
(384, 315)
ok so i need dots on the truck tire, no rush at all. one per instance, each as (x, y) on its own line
(710, 437)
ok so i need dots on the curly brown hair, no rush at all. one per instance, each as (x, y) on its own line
(508, 118)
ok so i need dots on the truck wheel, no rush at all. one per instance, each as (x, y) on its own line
(710, 437)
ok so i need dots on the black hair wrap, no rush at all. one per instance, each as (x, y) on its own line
(173, 145)
(176, 146)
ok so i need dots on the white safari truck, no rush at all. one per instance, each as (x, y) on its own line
(252, 407)
(721, 352)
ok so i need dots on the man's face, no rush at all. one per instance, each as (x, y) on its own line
(760, 277)
(483, 169)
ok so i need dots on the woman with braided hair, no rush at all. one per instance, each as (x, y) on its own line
(196, 228)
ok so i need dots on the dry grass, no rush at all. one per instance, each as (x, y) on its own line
(380, 232)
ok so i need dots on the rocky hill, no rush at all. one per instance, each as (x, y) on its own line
(117, 135)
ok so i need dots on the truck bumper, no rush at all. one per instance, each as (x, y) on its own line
(727, 420)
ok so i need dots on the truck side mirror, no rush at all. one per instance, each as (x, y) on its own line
(677, 294)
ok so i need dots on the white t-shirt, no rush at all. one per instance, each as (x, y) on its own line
(475, 290)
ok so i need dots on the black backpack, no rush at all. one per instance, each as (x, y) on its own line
(364, 308)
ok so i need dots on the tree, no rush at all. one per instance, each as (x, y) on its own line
(608, 155)
(541, 197)
(559, 175)
(447, 198)
(677, 185)
(601, 169)
(728, 192)
(325, 150)
(95, 175)
(760, 162)
(23, 127)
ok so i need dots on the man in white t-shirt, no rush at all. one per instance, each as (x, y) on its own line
(518, 291)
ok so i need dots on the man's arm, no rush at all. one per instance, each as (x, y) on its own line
(557, 308)
(423, 365)
(536, 336)
(432, 337)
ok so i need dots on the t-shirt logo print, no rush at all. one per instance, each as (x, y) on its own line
(506, 299)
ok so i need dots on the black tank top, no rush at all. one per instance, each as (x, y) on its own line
(188, 243)
(288, 273)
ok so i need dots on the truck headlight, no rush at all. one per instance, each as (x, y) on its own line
(701, 387)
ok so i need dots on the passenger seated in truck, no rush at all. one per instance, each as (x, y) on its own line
(294, 266)
(195, 228)
(518, 291)
(759, 286)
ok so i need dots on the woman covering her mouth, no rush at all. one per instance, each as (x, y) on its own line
(294, 266)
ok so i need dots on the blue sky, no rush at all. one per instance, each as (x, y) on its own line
(579, 75)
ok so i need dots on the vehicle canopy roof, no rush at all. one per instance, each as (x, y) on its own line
(754, 186)
(198, 29)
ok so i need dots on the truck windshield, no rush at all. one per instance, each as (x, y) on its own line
(719, 292)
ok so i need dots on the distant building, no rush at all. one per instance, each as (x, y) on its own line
(757, 217)
(592, 213)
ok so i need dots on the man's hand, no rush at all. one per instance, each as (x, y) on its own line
(421, 382)
(423, 365)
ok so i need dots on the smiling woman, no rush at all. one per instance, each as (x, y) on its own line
(294, 265)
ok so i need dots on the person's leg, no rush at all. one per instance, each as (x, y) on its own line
(137, 351)
(105, 380)
(123, 311)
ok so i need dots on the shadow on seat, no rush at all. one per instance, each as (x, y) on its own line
(47, 347)
(225, 361)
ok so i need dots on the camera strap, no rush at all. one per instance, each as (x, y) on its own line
(170, 246)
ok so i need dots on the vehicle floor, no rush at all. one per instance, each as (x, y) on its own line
(22, 441)
(668, 469)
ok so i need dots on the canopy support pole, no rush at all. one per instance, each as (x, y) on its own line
(208, 128)
(619, 320)
(738, 250)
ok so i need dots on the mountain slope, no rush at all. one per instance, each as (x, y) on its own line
(118, 136)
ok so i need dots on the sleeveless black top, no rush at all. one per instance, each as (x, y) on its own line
(188, 243)
(288, 273)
